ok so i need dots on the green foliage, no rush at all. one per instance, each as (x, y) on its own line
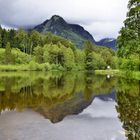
(8, 54)
(4, 36)
(98, 57)
(21, 40)
(46, 91)
(79, 59)
(128, 42)
(0, 40)
(54, 54)
(88, 47)
(128, 105)
(38, 52)
(98, 61)
(35, 50)
(129, 64)
(69, 59)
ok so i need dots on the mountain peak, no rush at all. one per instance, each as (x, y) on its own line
(56, 17)
(57, 25)
(108, 42)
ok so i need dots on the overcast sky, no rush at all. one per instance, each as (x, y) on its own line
(102, 18)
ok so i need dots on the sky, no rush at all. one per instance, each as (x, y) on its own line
(102, 18)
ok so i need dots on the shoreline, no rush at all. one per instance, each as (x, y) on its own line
(119, 73)
(45, 68)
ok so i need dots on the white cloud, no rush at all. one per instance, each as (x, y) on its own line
(101, 18)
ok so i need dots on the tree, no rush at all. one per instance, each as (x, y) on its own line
(0, 37)
(8, 54)
(98, 61)
(35, 40)
(88, 48)
(133, 16)
(0, 41)
(11, 37)
(130, 34)
(80, 58)
(69, 59)
(21, 38)
(54, 54)
(4, 36)
(89, 62)
(128, 42)
(38, 52)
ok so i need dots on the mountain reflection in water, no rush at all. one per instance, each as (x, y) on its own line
(80, 105)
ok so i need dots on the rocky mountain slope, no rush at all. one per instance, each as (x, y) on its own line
(74, 32)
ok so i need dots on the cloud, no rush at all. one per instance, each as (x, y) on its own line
(104, 29)
(101, 18)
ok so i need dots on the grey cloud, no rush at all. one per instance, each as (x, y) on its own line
(101, 18)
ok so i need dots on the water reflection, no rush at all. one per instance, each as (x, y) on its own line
(83, 99)
(128, 99)
(52, 95)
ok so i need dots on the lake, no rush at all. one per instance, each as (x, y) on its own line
(68, 106)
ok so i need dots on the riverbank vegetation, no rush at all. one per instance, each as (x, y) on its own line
(119, 73)
(21, 50)
(33, 51)
(128, 43)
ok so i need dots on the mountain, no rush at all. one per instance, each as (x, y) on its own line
(108, 42)
(74, 32)
(57, 25)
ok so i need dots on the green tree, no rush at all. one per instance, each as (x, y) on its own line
(11, 38)
(80, 58)
(0, 37)
(8, 54)
(21, 40)
(54, 54)
(133, 17)
(98, 62)
(0, 41)
(38, 52)
(69, 59)
(88, 48)
(128, 42)
(4, 36)
(35, 40)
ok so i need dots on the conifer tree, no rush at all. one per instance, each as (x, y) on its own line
(8, 54)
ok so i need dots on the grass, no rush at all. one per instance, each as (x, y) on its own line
(47, 67)
(120, 73)
(26, 67)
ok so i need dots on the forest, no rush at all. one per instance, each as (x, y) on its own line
(31, 50)
(21, 50)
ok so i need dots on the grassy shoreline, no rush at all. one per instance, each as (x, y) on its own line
(45, 67)
(120, 73)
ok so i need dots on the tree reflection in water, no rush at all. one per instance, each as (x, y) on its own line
(128, 100)
(56, 95)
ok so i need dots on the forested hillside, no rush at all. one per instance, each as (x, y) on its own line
(36, 51)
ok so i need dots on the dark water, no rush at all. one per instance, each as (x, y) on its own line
(68, 106)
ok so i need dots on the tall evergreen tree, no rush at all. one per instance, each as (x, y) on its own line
(8, 54)
(21, 40)
(11, 38)
(4, 36)
(88, 48)
(0, 37)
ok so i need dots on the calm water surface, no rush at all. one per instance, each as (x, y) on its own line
(68, 106)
